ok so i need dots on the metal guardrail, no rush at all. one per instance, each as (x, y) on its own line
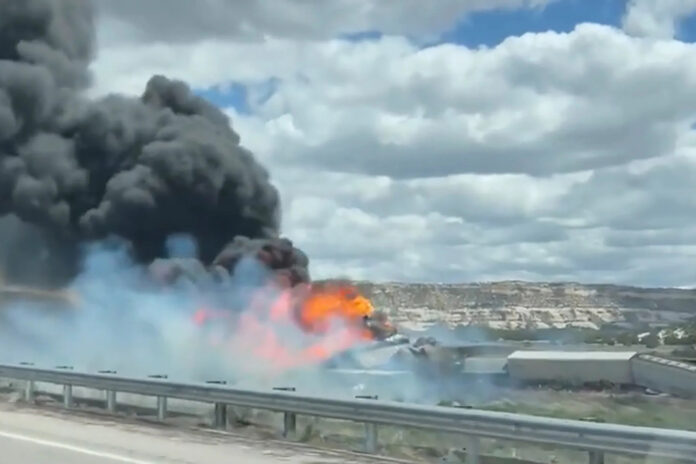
(595, 438)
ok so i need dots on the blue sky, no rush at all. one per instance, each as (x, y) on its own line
(687, 29)
(235, 96)
(488, 28)
(492, 27)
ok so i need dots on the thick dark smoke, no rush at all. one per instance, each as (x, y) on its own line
(140, 169)
(19, 240)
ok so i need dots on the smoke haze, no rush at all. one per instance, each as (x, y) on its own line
(113, 197)
(120, 321)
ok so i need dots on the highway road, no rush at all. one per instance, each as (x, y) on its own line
(47, 436)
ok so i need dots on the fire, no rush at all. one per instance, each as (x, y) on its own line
(287, 328)
(327, 304)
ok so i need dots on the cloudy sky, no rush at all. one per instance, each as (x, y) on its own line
(449, 140)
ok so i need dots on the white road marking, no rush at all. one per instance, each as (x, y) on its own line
(74, 449)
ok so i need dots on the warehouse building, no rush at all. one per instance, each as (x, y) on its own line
(571, 367)
(399, 363)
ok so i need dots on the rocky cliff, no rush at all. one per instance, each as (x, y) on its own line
(515, 305)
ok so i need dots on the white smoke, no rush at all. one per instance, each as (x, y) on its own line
(123, 322)
(118, 323)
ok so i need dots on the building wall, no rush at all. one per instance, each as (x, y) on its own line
(577, 370)
(665, 376)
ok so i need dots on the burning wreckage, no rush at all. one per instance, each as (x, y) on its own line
(260, 314)
(334, 316)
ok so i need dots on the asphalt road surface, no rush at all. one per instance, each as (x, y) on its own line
(46, 436)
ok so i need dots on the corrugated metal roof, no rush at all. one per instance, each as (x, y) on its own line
(574, 355)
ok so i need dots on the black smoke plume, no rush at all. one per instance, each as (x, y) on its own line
(140, 169)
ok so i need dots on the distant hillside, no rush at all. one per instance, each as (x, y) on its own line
(514, 305)
(498, 305)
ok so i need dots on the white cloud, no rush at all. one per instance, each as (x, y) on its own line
(656, 18)
(549, 156)
(186, 20)
(596, 95)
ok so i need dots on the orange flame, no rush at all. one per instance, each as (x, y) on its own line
(326, 304)
(329, 319)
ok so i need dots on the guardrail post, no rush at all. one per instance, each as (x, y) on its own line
(111, 401)
(289, 425)
(67, 396)
(29, 391)
(110, 395)
(161, 400)
(473, 450)
(220, 416)
(161, 408)
(29, 386)
(371, 438)
(220, 409)
(596, 457)
(289, 418)
(67, 391)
